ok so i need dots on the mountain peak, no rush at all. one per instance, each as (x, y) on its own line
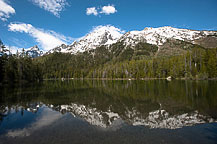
(34, 51)
(35, 48)
(100, 35)
(104, 35)
(107, 28)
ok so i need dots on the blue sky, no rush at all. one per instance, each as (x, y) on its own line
(67, 20)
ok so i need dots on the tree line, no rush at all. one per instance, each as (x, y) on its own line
(18, 67)
(115, 62)
(197, 63)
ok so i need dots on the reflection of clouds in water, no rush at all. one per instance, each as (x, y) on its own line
(45, 119)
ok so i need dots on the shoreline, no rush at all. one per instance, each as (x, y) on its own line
(194, 79)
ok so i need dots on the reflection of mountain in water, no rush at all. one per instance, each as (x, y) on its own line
(155, 119)
(162, 119)
(91, 115)
(157, 104)
(113, 120)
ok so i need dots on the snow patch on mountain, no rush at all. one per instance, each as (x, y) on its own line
(91, 115)
(162, 119)
(32, 52)
(158, 36)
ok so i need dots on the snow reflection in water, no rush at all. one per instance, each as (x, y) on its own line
(155, 119)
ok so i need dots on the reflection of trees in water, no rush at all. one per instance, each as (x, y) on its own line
(2, 115)
(6, 110)
(176, 97)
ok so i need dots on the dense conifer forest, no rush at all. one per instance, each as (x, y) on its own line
(141, 62)
(18, 67)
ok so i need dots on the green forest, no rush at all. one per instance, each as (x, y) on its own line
(16, 68)
(182, 60)
(116, 62)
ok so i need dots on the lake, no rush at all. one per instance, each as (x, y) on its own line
(121, 111)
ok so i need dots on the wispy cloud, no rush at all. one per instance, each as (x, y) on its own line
(107, 10)
(53, 6)
(5, 10)
(91, 11)
(110, 9)
(46, 39)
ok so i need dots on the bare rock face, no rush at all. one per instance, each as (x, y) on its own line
(207, 42)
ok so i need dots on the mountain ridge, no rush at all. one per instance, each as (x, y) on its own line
(108, 35)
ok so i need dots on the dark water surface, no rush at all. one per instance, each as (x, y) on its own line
(76, 111)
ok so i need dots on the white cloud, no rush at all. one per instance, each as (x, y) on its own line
(53, 6)
(110, 9)
(92, 10)
(107, 10)
(20, 27)
(46, 39)
(5, 10)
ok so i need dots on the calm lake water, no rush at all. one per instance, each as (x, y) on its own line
(76, 111)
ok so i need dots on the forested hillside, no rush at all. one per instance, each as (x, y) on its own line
(175, 58)
(178, 59)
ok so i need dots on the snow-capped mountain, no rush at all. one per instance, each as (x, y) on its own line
(107, 35)
(101, 35)
(34, 51)
(158, 36)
